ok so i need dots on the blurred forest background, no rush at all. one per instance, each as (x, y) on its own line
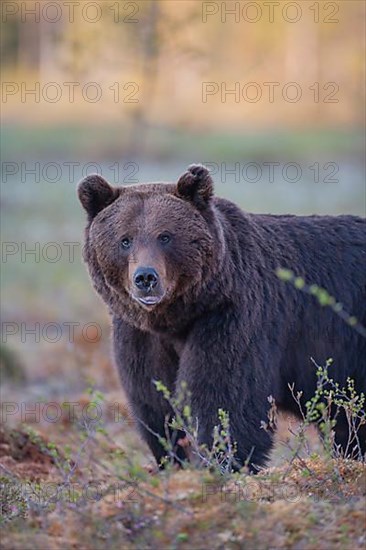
(271, 95)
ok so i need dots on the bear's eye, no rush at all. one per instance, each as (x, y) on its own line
(126, 243)
(165, 238)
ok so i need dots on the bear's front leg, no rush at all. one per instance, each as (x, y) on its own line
(141, 359)
(222, 373)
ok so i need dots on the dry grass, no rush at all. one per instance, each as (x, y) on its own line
(83, 489)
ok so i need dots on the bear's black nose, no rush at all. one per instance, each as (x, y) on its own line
(145, 278)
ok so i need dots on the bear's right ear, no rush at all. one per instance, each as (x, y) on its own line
(95, 194)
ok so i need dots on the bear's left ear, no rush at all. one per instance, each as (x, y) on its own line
(196, 185)
(95, 194)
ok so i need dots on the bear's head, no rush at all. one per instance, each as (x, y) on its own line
(148, 245)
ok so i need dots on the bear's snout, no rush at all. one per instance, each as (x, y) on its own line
(145, 278)
(148, 287)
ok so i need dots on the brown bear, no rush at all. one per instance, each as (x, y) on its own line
(190, 282)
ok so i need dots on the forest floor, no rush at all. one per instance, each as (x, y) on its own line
(66, 485)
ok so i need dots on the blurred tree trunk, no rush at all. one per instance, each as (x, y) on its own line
(149, 68)
(302, 51)
(48, 61)
(29, 47)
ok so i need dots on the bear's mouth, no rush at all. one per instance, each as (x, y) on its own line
(148, 301)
